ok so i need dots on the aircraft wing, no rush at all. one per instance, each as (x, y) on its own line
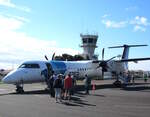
(132, 60)
(96, 61)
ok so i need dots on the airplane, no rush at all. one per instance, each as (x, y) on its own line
(35, 71)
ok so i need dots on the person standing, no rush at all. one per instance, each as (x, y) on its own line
(133, 79)
(73, 84)
(68, 86)
(57, 87)
(51, 82)
(145, 78)
(87, 84)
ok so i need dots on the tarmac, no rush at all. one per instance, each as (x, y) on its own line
(105, 101)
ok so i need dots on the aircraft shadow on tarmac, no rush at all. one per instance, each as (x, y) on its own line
(76, 99)
(137, 87)
(80, 88)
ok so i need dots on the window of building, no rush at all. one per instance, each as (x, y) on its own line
(84, 40)
(90, 40)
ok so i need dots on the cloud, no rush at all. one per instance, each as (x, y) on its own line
(139, 28)
(142, 65)
(140, 21)
(17, 46)
(8, 3)
(9, 23)
(113, 24)
(106, 15)
(131, 8)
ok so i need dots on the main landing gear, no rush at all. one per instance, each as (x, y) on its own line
(19, 89)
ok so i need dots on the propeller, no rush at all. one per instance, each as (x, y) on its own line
(53, 57)
(104, 63)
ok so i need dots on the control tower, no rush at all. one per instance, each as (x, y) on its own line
(89, 45)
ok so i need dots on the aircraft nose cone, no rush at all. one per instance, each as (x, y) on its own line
(12, 77)
(6, 79)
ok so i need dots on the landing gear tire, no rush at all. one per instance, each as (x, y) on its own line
(117, 83)
(19, 89)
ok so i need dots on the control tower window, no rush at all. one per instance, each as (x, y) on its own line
(90, 40)
(94, 41)
(84, 40)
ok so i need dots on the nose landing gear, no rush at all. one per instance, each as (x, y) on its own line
(19, 89)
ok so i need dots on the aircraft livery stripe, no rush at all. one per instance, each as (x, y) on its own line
(58, 66)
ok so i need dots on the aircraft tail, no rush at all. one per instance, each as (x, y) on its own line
(125, 54)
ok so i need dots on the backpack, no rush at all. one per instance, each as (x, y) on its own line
(57, 83)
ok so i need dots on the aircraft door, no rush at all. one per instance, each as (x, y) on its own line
(49, 69)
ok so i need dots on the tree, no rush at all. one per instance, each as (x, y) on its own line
(68, 57)
(78, 57)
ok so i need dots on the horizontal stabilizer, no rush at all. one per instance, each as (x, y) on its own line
(132, 60)
(126, 46)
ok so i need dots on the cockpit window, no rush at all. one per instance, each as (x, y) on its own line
(29, 66)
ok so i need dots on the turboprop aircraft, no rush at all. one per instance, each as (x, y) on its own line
(35, 71)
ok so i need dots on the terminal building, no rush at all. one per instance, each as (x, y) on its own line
(89, 44)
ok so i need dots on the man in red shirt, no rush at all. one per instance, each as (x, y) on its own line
(68, 86)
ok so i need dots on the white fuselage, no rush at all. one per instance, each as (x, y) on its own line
(27, 74)
(33, 71)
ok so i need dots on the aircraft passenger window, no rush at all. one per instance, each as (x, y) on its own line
(29, 66)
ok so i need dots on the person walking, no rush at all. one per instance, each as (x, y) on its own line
(68, 86)
(57, 87)
(87, 84)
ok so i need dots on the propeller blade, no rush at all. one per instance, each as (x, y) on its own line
(46, 58)
(103, 53)
(53, 56)
(111, 58)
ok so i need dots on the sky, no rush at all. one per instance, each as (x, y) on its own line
(30, 29)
